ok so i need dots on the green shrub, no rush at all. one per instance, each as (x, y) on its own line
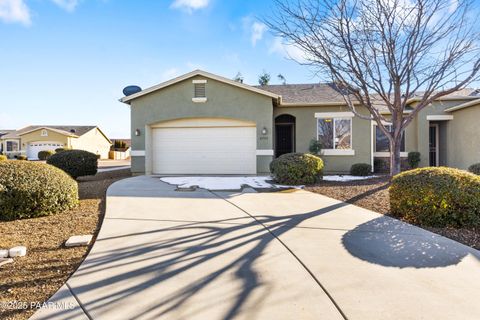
(34, 189)
(297, 168)
(45, 154)
(315, 146)
(361, 169)
(437, 197)
(380, 165)
(413, 159)
(62, 149)
(76, 163)
(3, 158)
(475, 168)
(21, 157)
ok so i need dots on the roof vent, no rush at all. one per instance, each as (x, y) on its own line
(128, 91)
(73, 130)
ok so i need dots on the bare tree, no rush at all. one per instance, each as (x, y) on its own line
(384, 52)
(281, 78)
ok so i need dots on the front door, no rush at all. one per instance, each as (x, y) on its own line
(433, 145)
(284, 140)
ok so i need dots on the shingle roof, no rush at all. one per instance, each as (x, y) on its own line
(9, 134)
(306, 93)
(67, 130)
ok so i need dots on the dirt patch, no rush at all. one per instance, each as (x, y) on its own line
(48, 264)
(372, 194)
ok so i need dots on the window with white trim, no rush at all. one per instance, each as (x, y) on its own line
(12, 146)
(44, 133)
(381, 141)
(335, 133)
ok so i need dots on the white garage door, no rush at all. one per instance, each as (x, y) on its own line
(34, 148)
(204, 150)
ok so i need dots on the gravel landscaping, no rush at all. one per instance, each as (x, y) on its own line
(48, 263)
(372, 194)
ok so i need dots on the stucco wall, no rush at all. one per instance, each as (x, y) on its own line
(175, 102)
(93, 141)
(464, 138)
(449, 141)
(306, 130)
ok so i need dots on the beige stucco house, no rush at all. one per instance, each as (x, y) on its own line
(201, 123)
(33, 139)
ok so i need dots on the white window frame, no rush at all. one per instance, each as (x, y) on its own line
(336, 116)
(19, 147)
(385, 154)
(44, 133)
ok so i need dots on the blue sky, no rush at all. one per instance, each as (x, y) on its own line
(67, 61)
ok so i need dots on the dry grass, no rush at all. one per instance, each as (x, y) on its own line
(372, 194)
(48, 264)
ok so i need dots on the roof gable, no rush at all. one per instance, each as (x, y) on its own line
(192, 74)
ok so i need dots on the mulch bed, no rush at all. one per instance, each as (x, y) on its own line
(372, 194)
(48, 264)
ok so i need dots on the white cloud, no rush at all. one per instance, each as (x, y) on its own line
(68, 5)
(258, 29)
(287, 50)
(190, 5)
(14, 11)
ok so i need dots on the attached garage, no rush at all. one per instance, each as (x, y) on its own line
(33, 148)
(204, 146)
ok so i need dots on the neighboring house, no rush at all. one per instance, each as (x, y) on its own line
(33, 139)
(201, 123)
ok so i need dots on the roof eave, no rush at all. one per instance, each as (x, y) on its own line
(194, 73)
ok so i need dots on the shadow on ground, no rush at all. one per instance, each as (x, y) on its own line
(391, 243)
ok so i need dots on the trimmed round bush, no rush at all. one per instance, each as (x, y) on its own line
(33, 189)
(45, 154)
(62, 149)
(3, 157)
(436, 197)
(361, 169)
(21, 157)
(413, 159)
(297, 168)
(475, 168)
(76, 163)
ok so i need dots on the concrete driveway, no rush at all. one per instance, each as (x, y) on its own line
(166, 254)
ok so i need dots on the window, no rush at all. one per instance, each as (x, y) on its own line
(44, 133)
(335, 133)
(381, 141)
(12, 146)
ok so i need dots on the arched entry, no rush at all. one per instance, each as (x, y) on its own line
(284, 134)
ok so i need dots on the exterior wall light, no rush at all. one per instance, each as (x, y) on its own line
(137, 132)
(264, 131)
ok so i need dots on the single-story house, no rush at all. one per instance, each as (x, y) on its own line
(33, 139)
(201, 123)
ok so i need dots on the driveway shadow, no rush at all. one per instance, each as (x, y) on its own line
(392, 243)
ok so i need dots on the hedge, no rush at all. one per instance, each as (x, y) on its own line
(437, 197)
(475, 168)
(34, 189)
(3, 157)
(297, 168)
(76, 163)
(45, 154)
(361, 169)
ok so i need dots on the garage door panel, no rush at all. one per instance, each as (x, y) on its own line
(212, 150)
